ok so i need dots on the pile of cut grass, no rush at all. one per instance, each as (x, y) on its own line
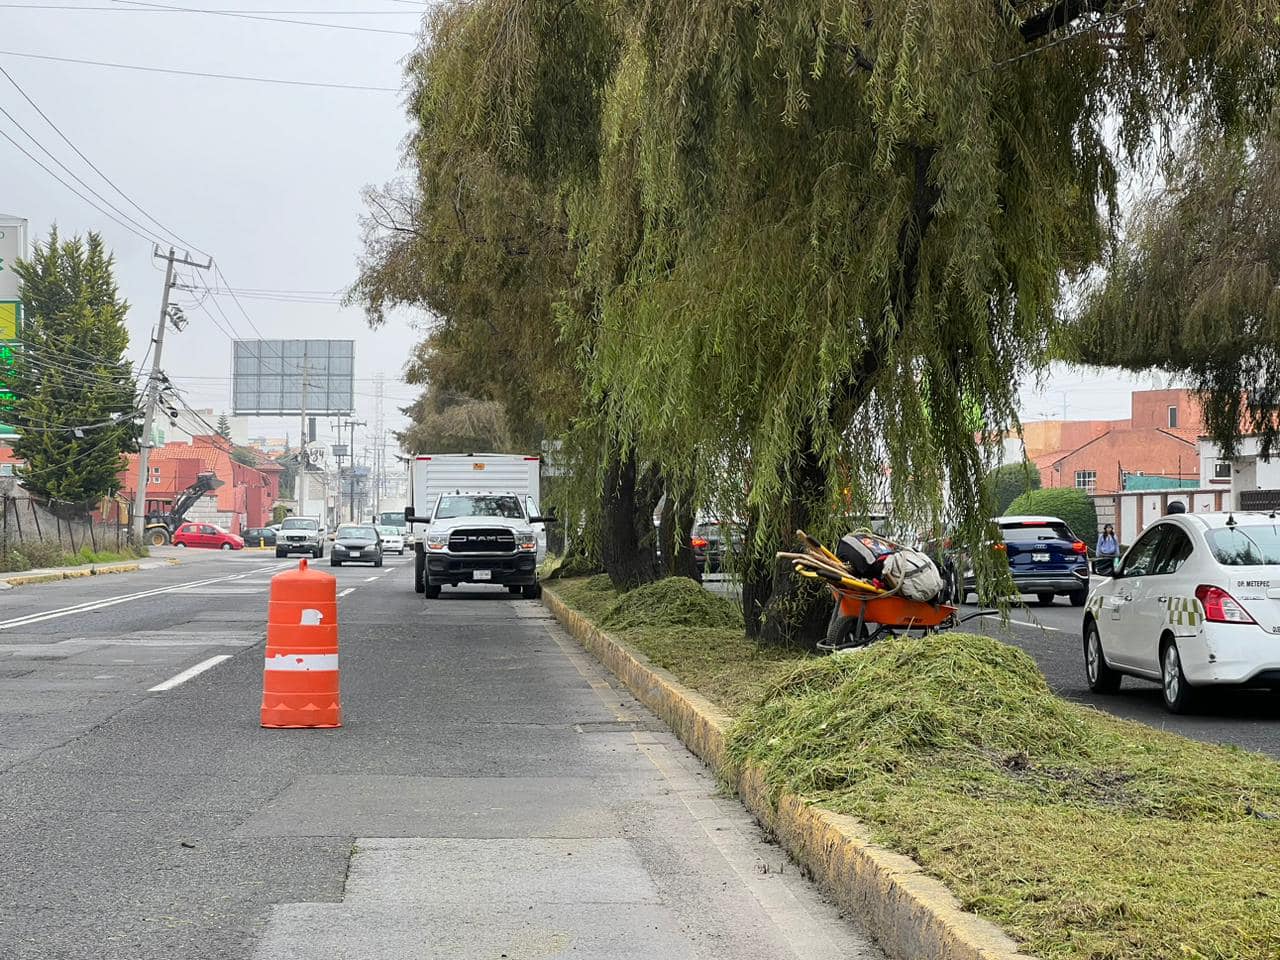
(681, 627)
(1083, 835)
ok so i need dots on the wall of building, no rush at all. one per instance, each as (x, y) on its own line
(1150, 408)
(1144, 450)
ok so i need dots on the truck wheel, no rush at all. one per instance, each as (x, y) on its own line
(431, 591)
(515, 589)
(419, 571)
(532, 592)
(157, 538)
(281, 554)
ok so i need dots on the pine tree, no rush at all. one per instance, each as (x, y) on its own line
(224, 427)
(75, 407)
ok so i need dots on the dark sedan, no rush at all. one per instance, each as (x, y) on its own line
(356, 543)
(259, 537)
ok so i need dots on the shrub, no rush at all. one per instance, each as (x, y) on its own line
(1006, 483)
(1074, 506)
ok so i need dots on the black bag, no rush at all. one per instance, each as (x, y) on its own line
(863, 555)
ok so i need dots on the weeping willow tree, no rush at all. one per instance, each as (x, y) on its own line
(1195, 288)
(811, 248)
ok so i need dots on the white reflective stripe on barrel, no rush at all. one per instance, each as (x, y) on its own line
(303, 661)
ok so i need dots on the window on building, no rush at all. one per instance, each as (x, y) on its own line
(1222, 470)
(1086, 480)
(1173, 418)
(6, 469)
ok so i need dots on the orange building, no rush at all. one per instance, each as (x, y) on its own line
(1158, 439)
(244, 500)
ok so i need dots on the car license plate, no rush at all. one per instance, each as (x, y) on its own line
(1040, 558)
(482, 575)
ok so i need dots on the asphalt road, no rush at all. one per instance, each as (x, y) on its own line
(492, 792)
(1053, 636)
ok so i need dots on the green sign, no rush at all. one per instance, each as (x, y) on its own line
(10, 321)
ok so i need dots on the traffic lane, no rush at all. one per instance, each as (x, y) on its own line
(475, 730)
(1243, 718)
(74, 656)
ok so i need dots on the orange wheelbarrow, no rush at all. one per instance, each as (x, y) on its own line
(859, 619)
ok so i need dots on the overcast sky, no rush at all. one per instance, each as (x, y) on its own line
(264, 177)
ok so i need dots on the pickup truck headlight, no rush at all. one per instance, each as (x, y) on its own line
(436, 541)
(528, 542)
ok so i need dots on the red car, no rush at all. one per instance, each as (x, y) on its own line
(206, 535)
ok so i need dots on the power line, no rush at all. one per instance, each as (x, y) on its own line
(197, 73)
(109, 216)
(93, 166)
(158, 8)
(254, 16)
(76, 177)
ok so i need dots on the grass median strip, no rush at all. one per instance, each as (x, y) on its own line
(1084, 836)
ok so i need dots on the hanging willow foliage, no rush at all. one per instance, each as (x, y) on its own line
(811, 248)
(1195, 289)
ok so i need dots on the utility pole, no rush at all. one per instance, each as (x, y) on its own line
(139, 518)
(351, 449)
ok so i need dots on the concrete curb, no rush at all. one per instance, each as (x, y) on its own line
(912, 915)
(72, 573)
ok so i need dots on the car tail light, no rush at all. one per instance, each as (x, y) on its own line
(999, 548)
(698, 543)
(1220, 606)
(1080, 547)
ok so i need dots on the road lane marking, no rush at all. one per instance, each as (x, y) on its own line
(89, 606)
(188, 673)
(1026, 623)
(346, 591)
(370, 579)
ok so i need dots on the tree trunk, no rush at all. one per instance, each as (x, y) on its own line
(627, 537)
(778, 606)
(789, 610)
(675, 528)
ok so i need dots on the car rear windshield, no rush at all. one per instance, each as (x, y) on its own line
(389, 531)
(1252, 546)
(358, 533)
(299, 524)
(1035, 532)
(479, 506)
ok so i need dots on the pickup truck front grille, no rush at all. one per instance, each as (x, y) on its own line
(482, 540)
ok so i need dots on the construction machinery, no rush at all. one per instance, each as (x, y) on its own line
(164, 518)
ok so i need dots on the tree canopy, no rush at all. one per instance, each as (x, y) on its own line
(789, 259)
(75, 406)
(1195, 288)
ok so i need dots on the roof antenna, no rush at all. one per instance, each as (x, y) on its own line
(1231, 521)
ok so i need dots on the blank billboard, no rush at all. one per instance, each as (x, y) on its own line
(280, 378)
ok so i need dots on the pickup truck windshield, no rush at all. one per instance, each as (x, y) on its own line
(479, 506)
(299, 523)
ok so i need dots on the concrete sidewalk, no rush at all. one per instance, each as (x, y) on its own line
(53, 574)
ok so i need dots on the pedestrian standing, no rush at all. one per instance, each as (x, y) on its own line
(1108, 546)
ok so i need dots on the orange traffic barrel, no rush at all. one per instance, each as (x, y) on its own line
(300, 679)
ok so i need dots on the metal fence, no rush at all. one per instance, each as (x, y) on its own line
(26, 521)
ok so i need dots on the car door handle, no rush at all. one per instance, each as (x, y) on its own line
(1162, 599)
(1127, 598)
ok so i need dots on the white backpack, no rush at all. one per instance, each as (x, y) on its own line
(913, 575)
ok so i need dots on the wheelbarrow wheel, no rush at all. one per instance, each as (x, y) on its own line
(842, 633)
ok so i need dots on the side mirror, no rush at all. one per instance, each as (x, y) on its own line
(408, 514)
(549, 518)
(1105, 567)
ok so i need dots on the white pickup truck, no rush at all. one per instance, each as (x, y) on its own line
(475, 519)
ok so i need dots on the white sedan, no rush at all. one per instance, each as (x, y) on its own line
(1193, 603)
(392, 540)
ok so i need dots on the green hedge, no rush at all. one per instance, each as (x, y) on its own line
(1008, 482)
(1074, 506)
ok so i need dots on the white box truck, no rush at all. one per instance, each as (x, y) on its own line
(475, 519)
